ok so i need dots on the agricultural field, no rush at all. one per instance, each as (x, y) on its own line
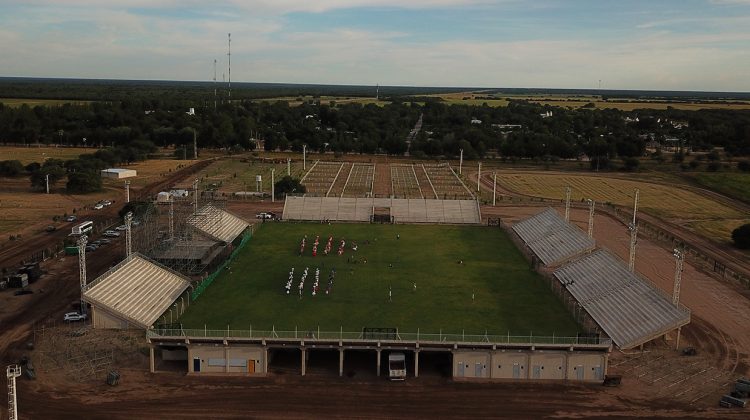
(326, 100)
(508, 297)
(39, 154)
(673, 203)
(17, 102)
(731, 184)
(236, 174)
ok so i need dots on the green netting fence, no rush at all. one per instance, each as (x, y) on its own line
(211, 277)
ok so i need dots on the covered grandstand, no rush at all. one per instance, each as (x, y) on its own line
(552, 239)
(400, 210)
(217, 223)
(628, 308)
(133, 294)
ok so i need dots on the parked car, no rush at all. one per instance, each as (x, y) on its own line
(74, 317)
(136, 222)
(265, 215)
(99, 206)
(106, 203)
(104, 241)
(112, 234)
(50, 228)
(121, 228)
(71, 218)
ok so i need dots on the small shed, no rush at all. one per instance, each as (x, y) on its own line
(118, 173)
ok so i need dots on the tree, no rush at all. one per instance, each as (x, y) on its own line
(631, 164)
(713, 166)
(39, 178)
(287, 185)
(84, 182)
(11, 168)
(744, 165)
(741, 237)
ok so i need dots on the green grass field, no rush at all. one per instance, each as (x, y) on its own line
(732, 184)
(508, 295)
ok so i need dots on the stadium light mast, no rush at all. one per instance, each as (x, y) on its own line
(82, 267)
(127, 191)
(633, 227)
(494, 188)
(479, 175)
(461, 162)
(128, 235)
(592, 205)
(195, 196)
(679, 266)
(229, 56)
(273, 187)
(567, 204)
(289, 166)
(13, 372)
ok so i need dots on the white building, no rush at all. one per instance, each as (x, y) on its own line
(118, 173)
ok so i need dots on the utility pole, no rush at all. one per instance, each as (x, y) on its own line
(127, 191)
(195, 145)
(171, 217)
(494, 188)
(567, 204)
(461, 162)
(289, 166)
(304, 157)
(195, 196)
(633, 227)
(592, 204)
(273, 187)
(46, 178)
(229, 55)
(214, 84)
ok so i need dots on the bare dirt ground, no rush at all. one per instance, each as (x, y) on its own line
(658, 383)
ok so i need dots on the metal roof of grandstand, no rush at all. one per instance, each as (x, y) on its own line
(551, 238)
(217, 223)
(137, 289)
(628, 308)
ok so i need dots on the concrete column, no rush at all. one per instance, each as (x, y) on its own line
(378, 363)
(265, 360)
(341, 362)
(677, 341)
(151, 359)
(416, 364)
(303, 361)
(226, 360)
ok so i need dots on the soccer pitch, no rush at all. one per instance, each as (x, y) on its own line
(492, 290)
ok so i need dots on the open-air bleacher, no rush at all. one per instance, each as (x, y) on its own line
(361, 209)
(551, 238)
(627, 307)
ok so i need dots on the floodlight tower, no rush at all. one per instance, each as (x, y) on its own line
(229, 56)
(494, 188)
(13, 372)
(127, 191)
(195, 196)
(633, 227)
(479, 175)
(567, 204)
(171, 217)
(82, 267)
(461, 161)
(128, 235)
(592, 205)
(679, 266)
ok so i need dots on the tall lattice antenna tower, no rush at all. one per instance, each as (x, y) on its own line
(82, 267)
(592, 205)
(567, 204)
(633, 227)
(679, 266)
(214, 84)
(229, 57)
(128, 235)
(13, 372)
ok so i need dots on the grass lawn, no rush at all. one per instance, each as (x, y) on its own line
(732, 184)
(508, 295)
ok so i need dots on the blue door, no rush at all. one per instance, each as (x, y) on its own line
(196, 364)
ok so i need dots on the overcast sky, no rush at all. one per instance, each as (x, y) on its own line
(627, 44)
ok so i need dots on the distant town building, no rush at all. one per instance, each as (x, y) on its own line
(118, 173)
